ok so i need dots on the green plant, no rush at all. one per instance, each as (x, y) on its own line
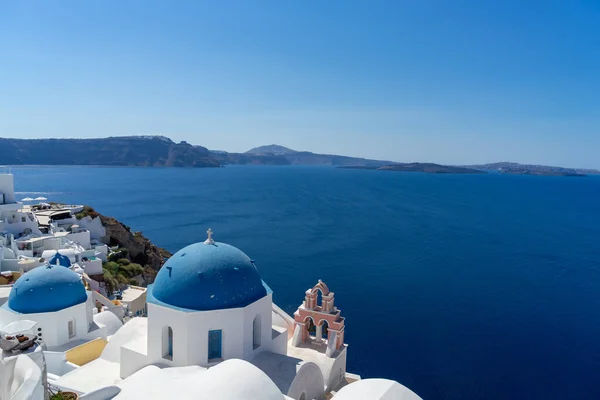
(119, 273)
(131, 270)
(87, 212)
(63, 395)
(110, 281)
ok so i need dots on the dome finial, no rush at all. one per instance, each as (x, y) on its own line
(210, 240)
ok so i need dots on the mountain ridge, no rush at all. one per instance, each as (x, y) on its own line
(161, 151)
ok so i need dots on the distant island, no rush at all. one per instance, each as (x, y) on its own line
(160, 151)
(430, 168)
(155, 151)
(278, 155)
(527, 169)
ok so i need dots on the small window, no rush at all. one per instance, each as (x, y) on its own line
(168, 344)
(214, 344)
(256, 332)
(72, 331)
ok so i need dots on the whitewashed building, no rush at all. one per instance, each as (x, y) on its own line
(212, 331)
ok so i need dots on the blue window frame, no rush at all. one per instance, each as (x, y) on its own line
(214, 344)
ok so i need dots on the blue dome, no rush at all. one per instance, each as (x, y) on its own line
(59, 259)
(46, 289)
(204, 277)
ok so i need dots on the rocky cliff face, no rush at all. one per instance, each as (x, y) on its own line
(140, 249)
(146, 151)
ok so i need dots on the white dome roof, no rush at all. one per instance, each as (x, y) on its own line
(375, 389)
(230, 380)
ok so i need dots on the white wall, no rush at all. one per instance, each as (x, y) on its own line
(7, 188)
(57, 364)
(92, 267)
(262, 307)
(97, 230)
(81, 238)
(338, 370)
(54, 325)
(190, 332)
(10, 264)
(308, 381)
(52, 243)
(14, 223)
(20, 378)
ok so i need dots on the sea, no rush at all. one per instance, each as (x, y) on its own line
(481, 286)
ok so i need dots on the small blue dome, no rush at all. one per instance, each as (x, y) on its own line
(46, 289)
(59, 259)
(204, 277)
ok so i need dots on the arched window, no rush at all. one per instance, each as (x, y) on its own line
(256, 332)
(324, 328)
(310, 326)
(303, 396)
(168, 344)
(319, 298)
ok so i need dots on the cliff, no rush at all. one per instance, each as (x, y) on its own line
(156, 151)
(139, 249)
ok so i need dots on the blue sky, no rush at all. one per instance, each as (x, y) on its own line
(416, 80)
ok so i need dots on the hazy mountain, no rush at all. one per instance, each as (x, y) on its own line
(160, 151)
(530, 169)
(118, 151)
(271, 149)
(279, 155)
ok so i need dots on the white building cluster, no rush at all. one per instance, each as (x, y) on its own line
(212, 331)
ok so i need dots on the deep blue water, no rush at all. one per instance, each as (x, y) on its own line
(457, 286)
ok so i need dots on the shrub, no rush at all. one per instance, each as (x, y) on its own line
(124, 261)
(111, 266)
(112, 284)
(87, 212)
(122, 279)
(136, 269)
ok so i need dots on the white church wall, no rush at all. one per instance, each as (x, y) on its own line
(159, 320)
(261, 308)
(55, 325)
(337, 371)
(191, 332)
(279, 343)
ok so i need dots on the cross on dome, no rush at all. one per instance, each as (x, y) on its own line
(210, 240)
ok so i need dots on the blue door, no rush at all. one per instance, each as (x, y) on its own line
(170, 343)
(214, 344)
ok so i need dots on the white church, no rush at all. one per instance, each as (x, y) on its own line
(212, 331)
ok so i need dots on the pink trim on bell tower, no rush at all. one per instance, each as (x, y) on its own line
(310, 312)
